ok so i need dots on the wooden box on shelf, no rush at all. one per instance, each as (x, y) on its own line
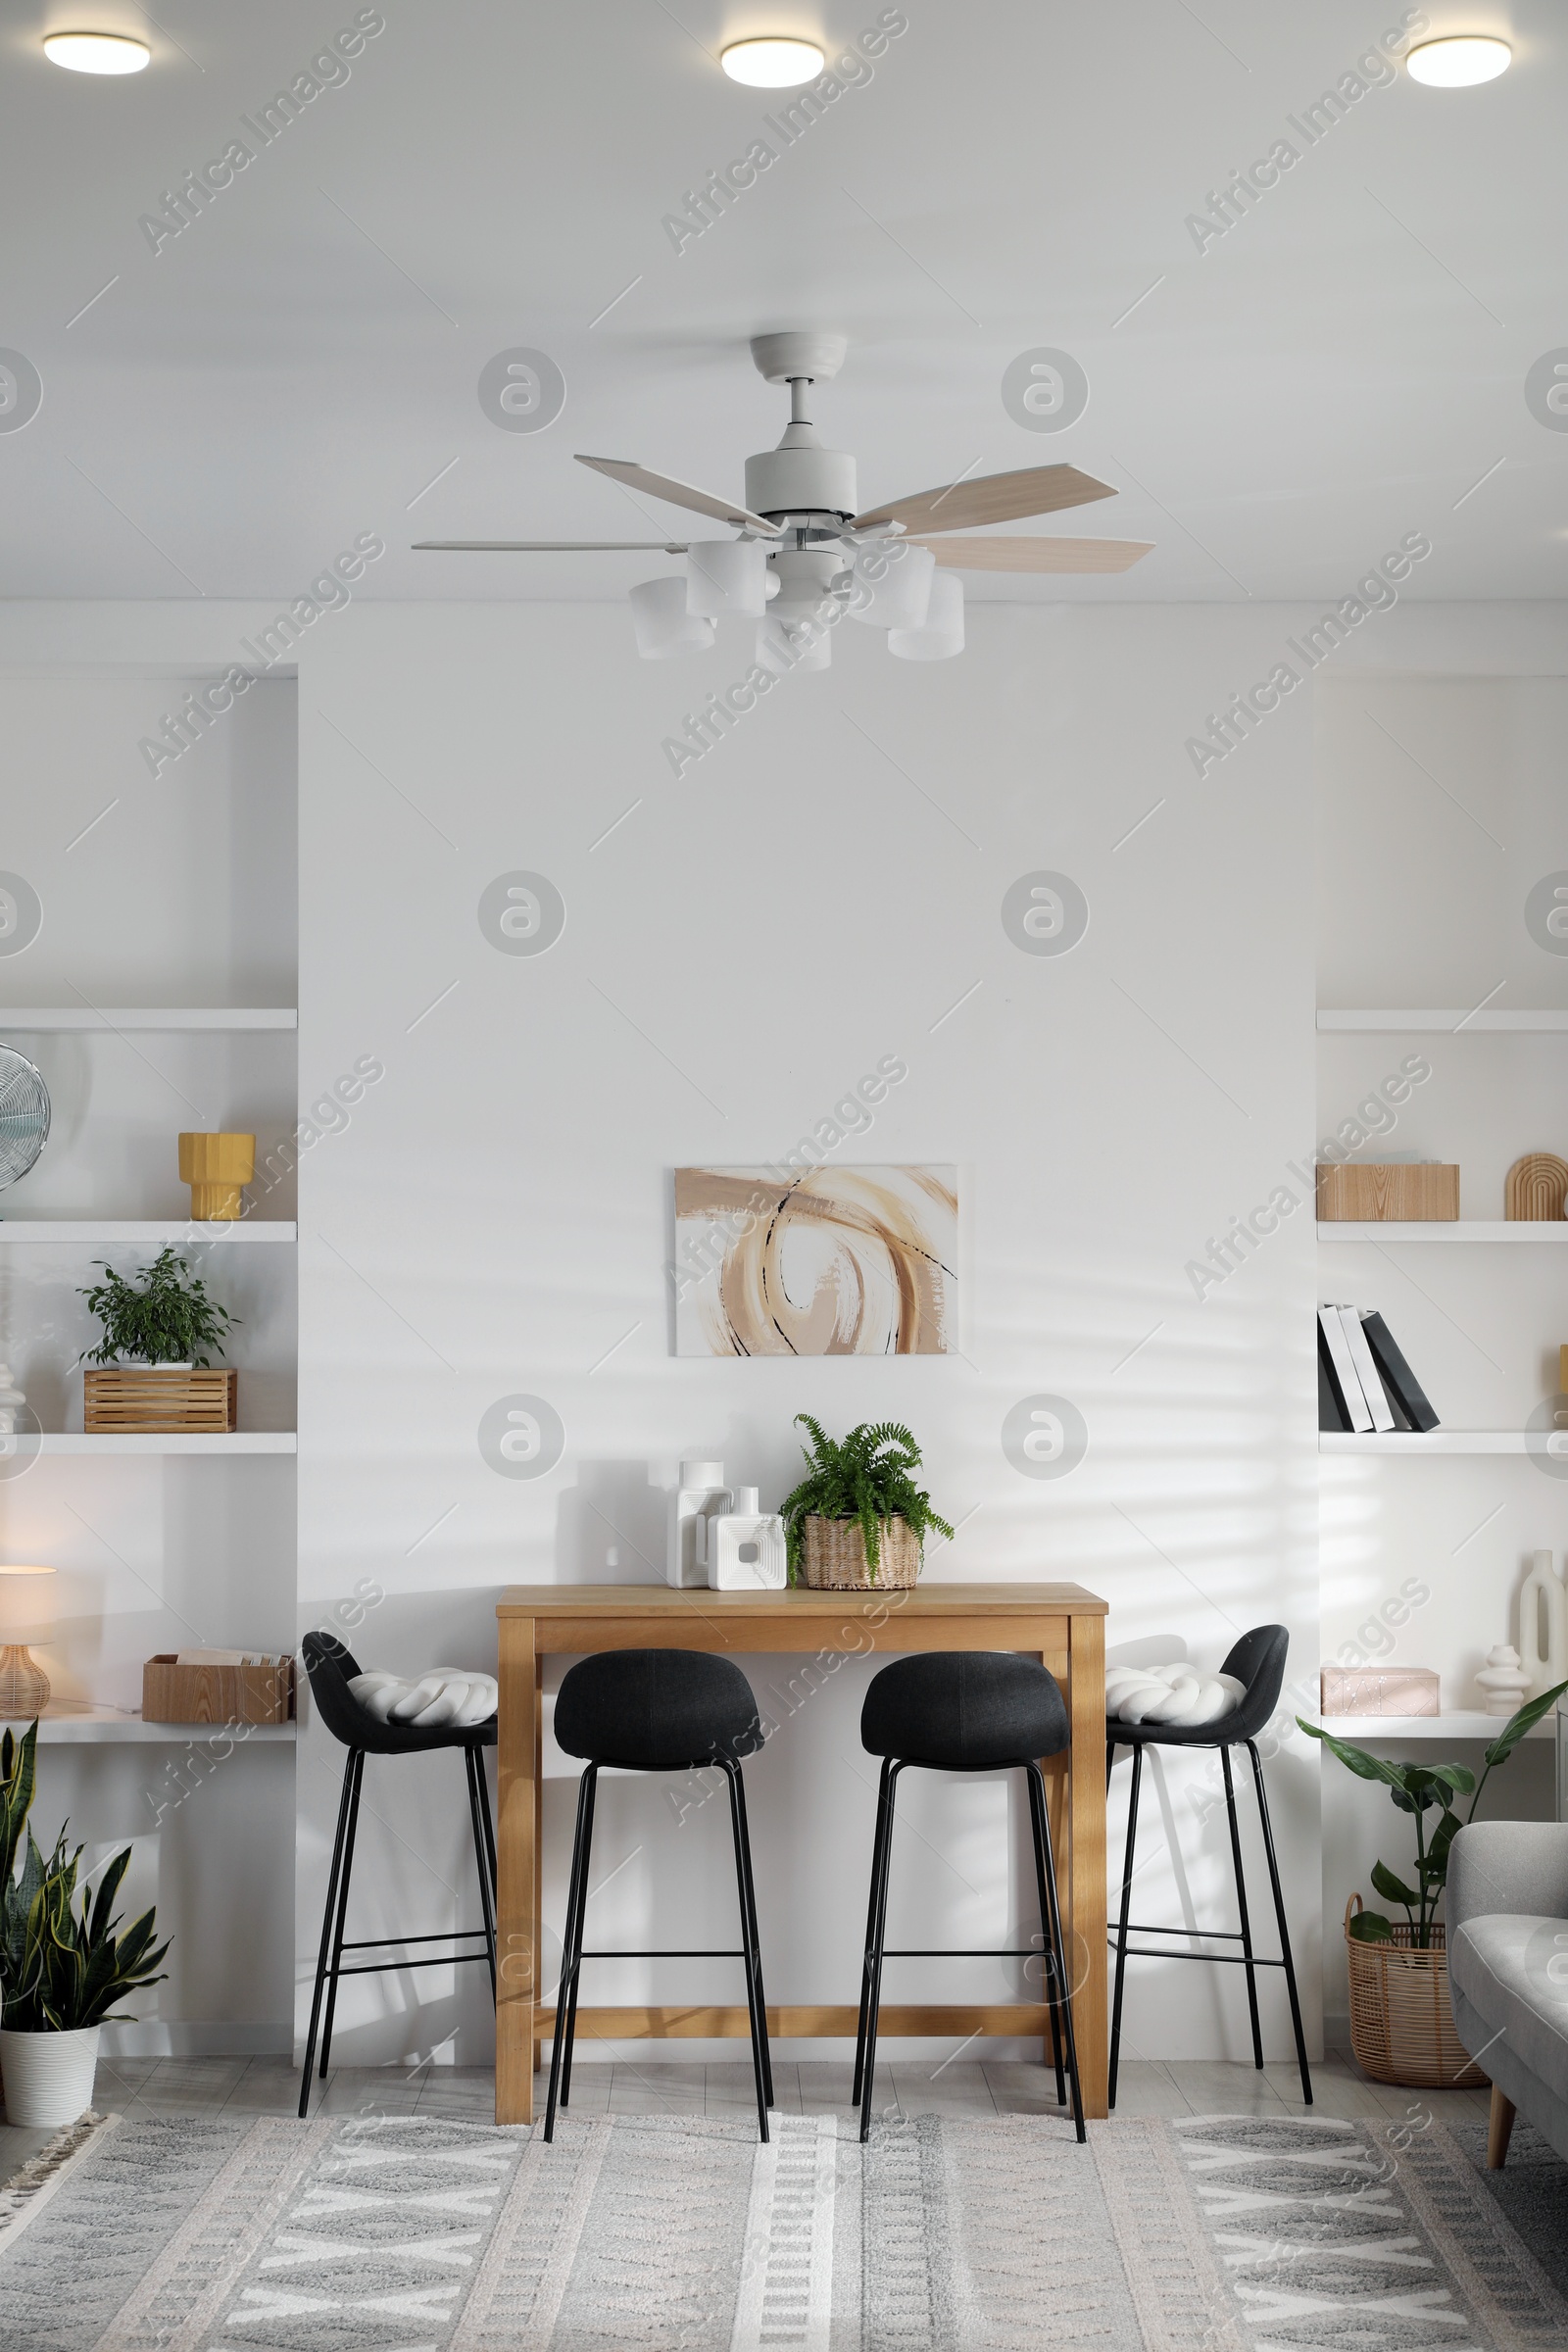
(127, 1401)
(175, 1693)
(1403, 1193)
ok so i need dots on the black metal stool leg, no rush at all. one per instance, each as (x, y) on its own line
(569, 1945)
(1053, 1961)
(325, 1953)
(484, 1815)
(1241, 1904)
(753, 1973)
(880, 1867)
(582, 1917)
(342, 1910)
(1285, 1933)
(481, 1860)
(1050, 1909)
(1121, 1925)
(753, 1934)
(870, 1930)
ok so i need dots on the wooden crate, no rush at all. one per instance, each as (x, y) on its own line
(121, 1400)
(171, 1694)
(1388, 1194)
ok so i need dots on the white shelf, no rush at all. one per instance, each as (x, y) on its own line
(233, 1441)
(1453, 1228)
(37, 1019)
(1380, 1729)
(83, 1725)
(128, 1233)
(1449, 1023)
(1422, 1442)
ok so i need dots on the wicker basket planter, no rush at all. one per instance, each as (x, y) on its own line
(1401, 2021)
(123, 1400)
(836, 1562)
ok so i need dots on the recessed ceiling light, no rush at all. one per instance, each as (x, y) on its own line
(772, 65)
(97, 52)
(1457, 64)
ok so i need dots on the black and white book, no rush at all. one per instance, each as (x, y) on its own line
(1400, 1382)
(1330, 1413)
(1342, 1366)
(1366, 1371)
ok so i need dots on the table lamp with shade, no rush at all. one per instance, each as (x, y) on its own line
(24, 1685)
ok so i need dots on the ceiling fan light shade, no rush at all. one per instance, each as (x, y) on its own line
(774, 64)
(727, 575)
(1460, 62)
(96, 52)
(941, 634)
(665, 627)
(892, 585)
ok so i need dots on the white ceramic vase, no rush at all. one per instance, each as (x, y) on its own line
(48, 2077)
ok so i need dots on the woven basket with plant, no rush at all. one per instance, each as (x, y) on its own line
(858, 1519)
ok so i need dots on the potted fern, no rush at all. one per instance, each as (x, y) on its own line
(858, 1519)
(60, 1974)
(159, 1338)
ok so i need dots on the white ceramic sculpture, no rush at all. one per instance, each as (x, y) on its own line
(746, 1551)
(1543, 1626)
(1503, 1681)
(702, 1494)
(12, 1401)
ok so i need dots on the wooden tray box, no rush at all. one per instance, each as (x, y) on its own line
(171, 1694)
(128, 1402)
(1389, 1196)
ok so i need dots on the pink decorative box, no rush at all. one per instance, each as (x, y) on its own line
(1379, 1691)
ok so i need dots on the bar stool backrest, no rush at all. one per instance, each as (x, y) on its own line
(331, 1666)
(1257, 1660)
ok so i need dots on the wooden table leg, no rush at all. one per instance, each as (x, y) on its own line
(516, 1905)
(1086, 1930)
(538, 1833)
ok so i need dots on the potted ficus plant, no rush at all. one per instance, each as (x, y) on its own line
(1401, 2022)
(858, 1519)
(159, 1337)
(60, 1972)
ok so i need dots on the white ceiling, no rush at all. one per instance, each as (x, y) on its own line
(291, 371)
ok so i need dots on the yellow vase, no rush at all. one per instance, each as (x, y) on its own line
(216, 1167)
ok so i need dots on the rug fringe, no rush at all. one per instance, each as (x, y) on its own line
(27, 2190)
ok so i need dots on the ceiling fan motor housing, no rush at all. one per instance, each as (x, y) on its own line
(800, 480)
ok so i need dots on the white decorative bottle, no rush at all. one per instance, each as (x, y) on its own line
(702, 1494)
(1503, 1681)
(1543, 1626)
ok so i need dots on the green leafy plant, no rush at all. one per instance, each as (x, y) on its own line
(1415, 1788)
(866, 1477)
(169, 1320)
(60, 1972)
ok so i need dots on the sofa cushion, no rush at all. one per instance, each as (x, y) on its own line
(1512, 1967)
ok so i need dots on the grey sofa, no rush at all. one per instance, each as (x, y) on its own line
(1508, 1970)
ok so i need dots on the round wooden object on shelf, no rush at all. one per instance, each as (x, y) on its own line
(836, 1562)
(216, 1167)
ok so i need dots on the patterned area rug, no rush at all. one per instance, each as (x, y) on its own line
(414, 2234)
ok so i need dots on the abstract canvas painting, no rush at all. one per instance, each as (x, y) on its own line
(824, 1262)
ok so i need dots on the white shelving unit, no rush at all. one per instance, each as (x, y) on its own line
(128, 1233)
(1382, 1730)
(1415, 1442)
(1458, 1229)
(232, 1441)
(1449, 1024)
(48, 1019)
(84, 1727)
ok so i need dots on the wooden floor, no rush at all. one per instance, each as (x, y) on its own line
(1171, 2087)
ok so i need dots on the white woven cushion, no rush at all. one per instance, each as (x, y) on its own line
(1181, 1694)
(442, 1695)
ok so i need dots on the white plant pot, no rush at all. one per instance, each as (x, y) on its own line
(48, 2077)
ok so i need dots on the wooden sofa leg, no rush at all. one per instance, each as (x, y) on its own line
(1499, 2129)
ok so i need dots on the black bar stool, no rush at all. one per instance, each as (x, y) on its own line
(656, 1710)
(1258, 1661)
(964, 1711)
(331, 1668)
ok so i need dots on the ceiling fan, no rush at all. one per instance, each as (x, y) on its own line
(808, 556)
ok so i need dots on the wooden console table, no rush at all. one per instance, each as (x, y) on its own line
(1060, 1624)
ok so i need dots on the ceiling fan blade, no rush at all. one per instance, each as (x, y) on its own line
(549, 547)
(994, 498)
(1037, 554)
(682, 494)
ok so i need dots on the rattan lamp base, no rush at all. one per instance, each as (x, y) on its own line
(23, 1684)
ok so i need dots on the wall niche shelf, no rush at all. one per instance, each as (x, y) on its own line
(42, 1018)
(1418, 1442)
(1381, 1730)
(81, 1727)
(134, 1233)
(1456, 1023)
(1458, 1229)
(233, 1441)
